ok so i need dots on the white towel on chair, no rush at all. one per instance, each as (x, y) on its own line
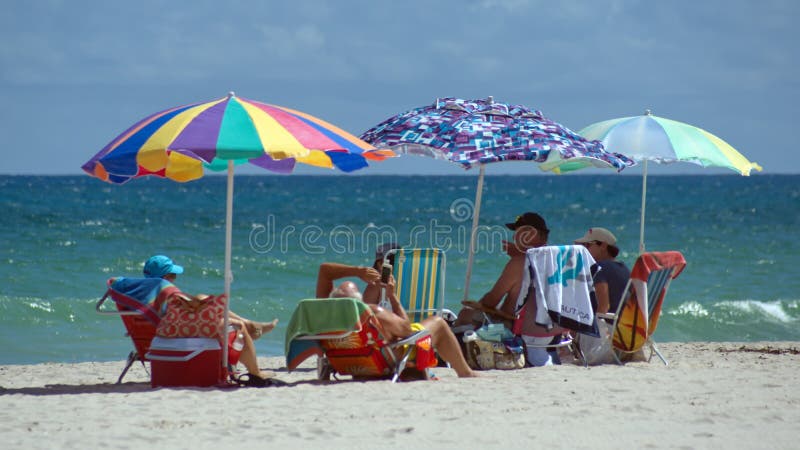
(562, 279)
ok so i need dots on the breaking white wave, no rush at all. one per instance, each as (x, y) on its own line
(732, 311)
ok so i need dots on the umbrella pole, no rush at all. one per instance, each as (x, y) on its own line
(228, 274)
(641, 219)
(475, 216)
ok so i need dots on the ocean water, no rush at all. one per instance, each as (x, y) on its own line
(62, 237)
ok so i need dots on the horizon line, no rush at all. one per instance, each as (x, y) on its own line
(465, 174)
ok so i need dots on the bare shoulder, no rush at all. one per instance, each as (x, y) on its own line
(513, 268)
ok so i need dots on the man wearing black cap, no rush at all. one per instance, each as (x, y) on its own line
(530, 231)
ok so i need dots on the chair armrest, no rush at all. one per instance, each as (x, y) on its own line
(322, 337)
(99, 304)
(491, 311)
(109, 312)
(411, 339)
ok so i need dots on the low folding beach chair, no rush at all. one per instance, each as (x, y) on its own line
(637, 316)
(346, 337)
(419, 275)
(132, 297)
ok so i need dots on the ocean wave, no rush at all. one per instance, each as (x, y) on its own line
(740, 311)
(18, 310)
(693, 309)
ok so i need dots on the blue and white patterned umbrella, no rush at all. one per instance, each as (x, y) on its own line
(479, 132)
(470, 132)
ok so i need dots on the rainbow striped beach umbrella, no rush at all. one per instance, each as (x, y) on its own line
(650, 138)
(180, 143)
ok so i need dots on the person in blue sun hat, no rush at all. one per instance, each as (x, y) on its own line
(162, 266)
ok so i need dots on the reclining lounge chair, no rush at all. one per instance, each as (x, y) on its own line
(346, 336)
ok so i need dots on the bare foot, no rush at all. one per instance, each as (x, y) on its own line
(260, 329)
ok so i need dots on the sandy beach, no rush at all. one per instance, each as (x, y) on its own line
(712, 395)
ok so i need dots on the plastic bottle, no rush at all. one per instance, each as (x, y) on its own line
(238, 343)
(469, 336)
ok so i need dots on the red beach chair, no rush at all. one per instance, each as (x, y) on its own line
(140, 321)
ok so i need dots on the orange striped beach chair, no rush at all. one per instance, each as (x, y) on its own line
(347, 339)
(637, 316)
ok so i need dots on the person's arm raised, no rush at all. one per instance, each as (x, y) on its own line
(397, 308)
(330, 272)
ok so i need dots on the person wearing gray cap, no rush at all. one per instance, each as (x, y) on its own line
(610, 275)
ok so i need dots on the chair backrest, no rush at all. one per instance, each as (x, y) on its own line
(360, 353)
(556, 289)
(133, 297)
(317, 320)
(419, 277)
(136, 294)
(640, 308)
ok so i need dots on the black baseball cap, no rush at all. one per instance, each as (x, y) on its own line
(531, 219)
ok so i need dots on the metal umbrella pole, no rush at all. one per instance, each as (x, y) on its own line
(475, 216)
(228, 273)
(641, 218)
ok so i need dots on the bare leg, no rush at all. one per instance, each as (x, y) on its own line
(255, 329)
(444, 341)
(248, 357)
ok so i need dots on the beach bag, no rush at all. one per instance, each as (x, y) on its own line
(202, 318)
(597, 350)
(493, 347)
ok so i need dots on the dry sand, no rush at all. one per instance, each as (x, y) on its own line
(712, 395)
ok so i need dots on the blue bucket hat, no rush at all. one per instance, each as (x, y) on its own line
(159, 265)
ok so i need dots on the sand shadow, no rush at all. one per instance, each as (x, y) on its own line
(69, 389)
(144, 386)
(129, 388)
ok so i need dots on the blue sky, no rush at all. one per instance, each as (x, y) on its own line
(74, 74)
